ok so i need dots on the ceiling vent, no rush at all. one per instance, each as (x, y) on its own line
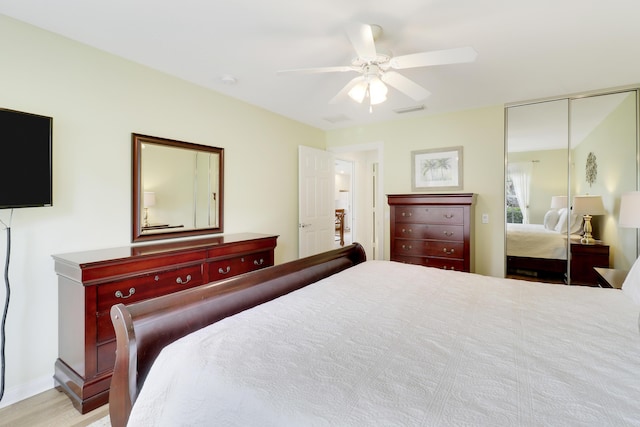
(336, 119)
(409, 109)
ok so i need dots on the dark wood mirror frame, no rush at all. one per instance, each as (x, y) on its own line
(140, 234)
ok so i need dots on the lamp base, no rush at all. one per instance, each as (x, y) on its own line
(587, 238)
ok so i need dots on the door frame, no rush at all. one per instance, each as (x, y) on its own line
(379, 223)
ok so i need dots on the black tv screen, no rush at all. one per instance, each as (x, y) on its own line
(25, 160)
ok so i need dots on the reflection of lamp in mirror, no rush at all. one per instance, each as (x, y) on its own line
(558, 202)
(630, 210)
(149, 200)
(588, 206)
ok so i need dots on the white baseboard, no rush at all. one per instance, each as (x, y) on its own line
(24, 391)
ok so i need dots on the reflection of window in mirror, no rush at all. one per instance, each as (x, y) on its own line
(514, 215)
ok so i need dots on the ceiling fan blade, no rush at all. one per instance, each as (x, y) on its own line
(336, 69)
(344, 92)
(405, 85)
(436, 57)
(361, 38)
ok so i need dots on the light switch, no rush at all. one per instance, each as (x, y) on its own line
(485, 218)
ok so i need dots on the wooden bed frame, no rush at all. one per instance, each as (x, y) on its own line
(144, 328)
(542, 267)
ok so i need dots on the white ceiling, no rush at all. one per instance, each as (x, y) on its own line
(526, 50)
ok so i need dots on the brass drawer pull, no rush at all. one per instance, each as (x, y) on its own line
(448, 251)
(448, 233)
(258, 261)
(449, 215)
(407, 247)
(407, 231)
(221, 271)
(119, 294)
(407, 214)
(183, 282)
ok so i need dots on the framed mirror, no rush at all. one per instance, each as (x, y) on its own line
(177, 188)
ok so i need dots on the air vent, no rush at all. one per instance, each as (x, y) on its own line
(337, 119)
(409, 109)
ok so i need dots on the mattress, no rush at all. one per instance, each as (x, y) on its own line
(535, 241)
(391, 344)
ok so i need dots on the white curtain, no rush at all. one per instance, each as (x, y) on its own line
(520, 174)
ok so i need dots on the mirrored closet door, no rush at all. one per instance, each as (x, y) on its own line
(568, 162)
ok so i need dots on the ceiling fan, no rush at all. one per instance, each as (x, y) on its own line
(377, 68)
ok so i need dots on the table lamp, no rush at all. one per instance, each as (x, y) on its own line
(148, 200)
(630, 210)
(558, 202)
(588, 206)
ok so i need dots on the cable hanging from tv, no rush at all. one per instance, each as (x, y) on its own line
(6, 304)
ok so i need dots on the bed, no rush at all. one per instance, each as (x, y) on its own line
(533, 249)
(337, 340)
(541, 249)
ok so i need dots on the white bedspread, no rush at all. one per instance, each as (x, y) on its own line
(389, 344)
(535, 241)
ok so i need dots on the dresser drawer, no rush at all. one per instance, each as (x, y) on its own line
(442, 263)
(148, 286)
(141, 288)
(432, 215)
(437, 248)
(433, 232)
(230, 267)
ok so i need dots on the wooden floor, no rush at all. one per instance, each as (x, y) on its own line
(49, 409)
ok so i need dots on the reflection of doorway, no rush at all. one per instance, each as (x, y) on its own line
(344, 202)
(367, 197)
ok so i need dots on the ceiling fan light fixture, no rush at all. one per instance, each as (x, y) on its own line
(372, 88)
(377, 91)
(358, 92)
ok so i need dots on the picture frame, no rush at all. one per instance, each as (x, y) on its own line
(437, 169)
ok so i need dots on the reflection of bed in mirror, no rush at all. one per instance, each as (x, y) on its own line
(540, 250)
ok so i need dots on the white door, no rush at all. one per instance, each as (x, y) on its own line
(316, 212)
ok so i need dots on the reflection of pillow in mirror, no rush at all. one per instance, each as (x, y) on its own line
(561, 226)
(576, 224)
(631, 284)
(551, 219)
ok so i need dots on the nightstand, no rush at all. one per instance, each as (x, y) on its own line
(583, 259)
(610, 277)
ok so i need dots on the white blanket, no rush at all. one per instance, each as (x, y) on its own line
(389, 344)
(535, 241)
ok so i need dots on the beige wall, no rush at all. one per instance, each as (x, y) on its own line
(97, 100)
(481, 133)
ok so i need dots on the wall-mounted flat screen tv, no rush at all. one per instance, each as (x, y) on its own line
(25, 160)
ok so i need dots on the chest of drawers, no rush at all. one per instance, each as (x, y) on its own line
(90, 282)
(434, 230)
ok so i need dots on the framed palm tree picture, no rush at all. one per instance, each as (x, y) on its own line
(436, 169)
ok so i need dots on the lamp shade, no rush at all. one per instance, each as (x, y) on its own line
(630, 210)
(149, 199)
(588, 205)
(558, 202)
(371, 87)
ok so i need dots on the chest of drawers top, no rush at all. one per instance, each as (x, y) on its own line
(96, 266)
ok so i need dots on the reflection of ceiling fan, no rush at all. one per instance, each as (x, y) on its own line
(377, 68)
